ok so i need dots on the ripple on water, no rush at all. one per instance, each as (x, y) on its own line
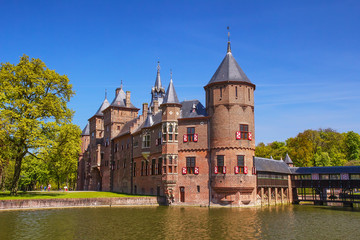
(281, 222)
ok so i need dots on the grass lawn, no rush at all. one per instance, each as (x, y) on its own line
(59, 194)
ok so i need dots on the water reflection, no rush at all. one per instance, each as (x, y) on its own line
(280, 222)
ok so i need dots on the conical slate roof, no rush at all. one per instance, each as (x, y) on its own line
(86, 130)
(104, 105)
(288, 159)
(229, 70)
(149, 120)
(170, 95)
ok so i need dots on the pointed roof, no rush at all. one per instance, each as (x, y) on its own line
(288, 159)
(120, 99)
(149, 120)
(86, 130)
(157, 85)
(170, 95)
(103, 106)
(229, 70)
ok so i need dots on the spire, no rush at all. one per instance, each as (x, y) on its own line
(229, 70)
(170, 95)
(228, 45)
(288, 159)
(158, 80)
(103, 106)
(105, 93)
(121, 85)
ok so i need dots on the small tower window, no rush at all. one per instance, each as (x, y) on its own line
(221, 92)
(236, 93)
(249, 93)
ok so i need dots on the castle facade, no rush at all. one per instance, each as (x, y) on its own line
(184, 151)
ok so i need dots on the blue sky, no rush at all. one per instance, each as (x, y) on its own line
(303, 56)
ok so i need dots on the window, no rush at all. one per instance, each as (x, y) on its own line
(244, 131)
(124, 164)
(159, 166)
(164, 132)
(116, 148)
(221, 92)
(146, 140)
(241, 163)
(142, 168)
(190, 134)
(220, 163)
(146, 168)
(153, 165)
(159, 138)
(236, 92)
(249, 93)
(198, 188)
(118, 164)
(136, 143)
(134, 172)
(324, 177)
(190, 165)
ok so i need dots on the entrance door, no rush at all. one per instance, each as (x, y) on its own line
(182, 194)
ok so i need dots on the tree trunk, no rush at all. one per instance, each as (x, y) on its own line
(17, 171)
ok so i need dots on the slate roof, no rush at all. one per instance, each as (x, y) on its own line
(192, 109)
(229, 70)
(120, 100)
(271, 165)
(103, 106)
(325, 170)
(170, 95)
(86, 130)
(148, 121)
(287, 159)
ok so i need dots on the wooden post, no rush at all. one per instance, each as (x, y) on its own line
(276, 195)
(282, 195)
(262, 196)
(269, 194)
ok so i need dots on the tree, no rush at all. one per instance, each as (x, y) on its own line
(33, 105)
(352, 144)
(63, 156)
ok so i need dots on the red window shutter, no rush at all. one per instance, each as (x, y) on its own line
(216, 171)
(238, 135)
(184, 170)
(246, 170)
(249, 136)
(224, 169)
(195, 137)
(185, 138)
(236, 170)
(196, 171)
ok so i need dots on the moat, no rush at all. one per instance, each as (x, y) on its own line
(278, 222)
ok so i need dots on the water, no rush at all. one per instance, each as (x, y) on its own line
(281, 222)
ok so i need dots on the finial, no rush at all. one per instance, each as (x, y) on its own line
(121, 86)
(105, 93)
(228, 46)
(158, 66)
(170, 74)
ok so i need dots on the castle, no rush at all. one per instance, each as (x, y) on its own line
(183, 151)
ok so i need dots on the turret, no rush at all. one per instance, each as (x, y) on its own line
(230, 105)
(157, 92)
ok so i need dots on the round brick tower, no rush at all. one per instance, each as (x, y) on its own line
(230, 105)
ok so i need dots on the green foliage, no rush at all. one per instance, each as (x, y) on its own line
(352, 145)
(323, 147)
(33, 107)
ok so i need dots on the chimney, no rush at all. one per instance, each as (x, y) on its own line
(145, 110)
(117, 91)
(127, 101)
(156, 107)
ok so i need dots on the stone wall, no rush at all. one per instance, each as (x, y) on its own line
(79, 202)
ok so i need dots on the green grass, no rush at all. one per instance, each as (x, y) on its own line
(56, 195)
